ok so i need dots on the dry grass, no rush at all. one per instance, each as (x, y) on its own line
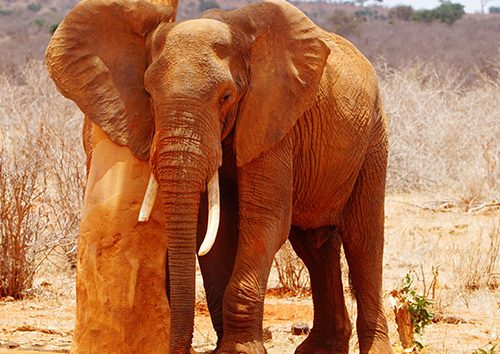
(453, 256)
(443, 132)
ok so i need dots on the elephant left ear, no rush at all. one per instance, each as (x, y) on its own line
(287, 57)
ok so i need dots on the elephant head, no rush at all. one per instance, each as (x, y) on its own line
(172, 92)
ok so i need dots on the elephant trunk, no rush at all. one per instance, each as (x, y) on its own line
(181, 250)
(181, 212)
(183, 161)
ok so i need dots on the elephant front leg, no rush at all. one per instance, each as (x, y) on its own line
(265, 195)
(217, 265)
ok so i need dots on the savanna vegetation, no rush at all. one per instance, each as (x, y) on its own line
(440, 78)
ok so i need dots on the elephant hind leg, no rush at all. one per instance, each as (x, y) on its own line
(320, 251)
(362, 232)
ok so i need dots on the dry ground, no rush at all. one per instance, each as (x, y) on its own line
(422, 235)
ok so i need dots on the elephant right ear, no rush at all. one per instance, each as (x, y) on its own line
(97, 58)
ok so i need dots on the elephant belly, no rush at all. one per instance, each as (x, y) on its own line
(321, 203)
(328, 154)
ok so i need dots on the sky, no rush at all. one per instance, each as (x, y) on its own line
(471, 6)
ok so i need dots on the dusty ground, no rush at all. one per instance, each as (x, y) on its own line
(423, 236)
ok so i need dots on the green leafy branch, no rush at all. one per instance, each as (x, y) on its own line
(413, 312)
(420, 306)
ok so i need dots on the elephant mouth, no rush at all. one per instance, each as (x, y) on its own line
(213, 209)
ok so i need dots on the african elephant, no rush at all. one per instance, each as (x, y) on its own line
(291, 118)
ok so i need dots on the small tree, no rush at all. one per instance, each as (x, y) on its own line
(449, 12)
(6, 12)
(344, 23)
(402, 12)
(423, 16)
(362, 2)
(38, 23)
(53, 28)
(368, 14)
(34, 6)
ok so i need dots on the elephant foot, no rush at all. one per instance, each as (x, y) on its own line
(377, 344)
(320, 344)
(232, 347)
(378, 348)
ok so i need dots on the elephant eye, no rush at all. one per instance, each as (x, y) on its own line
(226, 96)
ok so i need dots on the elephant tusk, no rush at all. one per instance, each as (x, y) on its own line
(149, 199)
(213, 215)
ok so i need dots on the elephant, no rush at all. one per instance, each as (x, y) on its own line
(277, 123)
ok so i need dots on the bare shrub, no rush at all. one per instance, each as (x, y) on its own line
(60, 122)
(40, 133)
(292, 273)
(345, 23)
(401, 12)
(67, 179)
(23, 222)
